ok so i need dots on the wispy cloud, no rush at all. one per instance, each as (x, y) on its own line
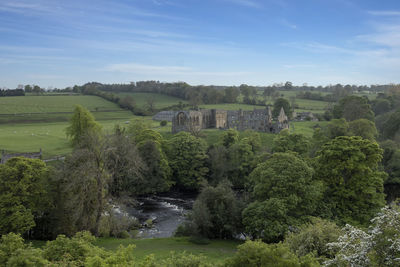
(157, 70)
(384, 12)
(246, 3)
(286, 23)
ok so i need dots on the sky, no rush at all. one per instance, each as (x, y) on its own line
(60, 43)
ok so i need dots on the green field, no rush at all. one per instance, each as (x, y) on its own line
(216, 251)
(306, 127)
(161, 248)
(29, 123)
(56, 108)
(160, 101)
(50, 104)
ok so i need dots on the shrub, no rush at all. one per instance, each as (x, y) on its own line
(313, 238)
(257, 253)
(163, 123)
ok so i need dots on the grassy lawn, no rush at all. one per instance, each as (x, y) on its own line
(161, 248)
(55, 108)
(216, 251)
(30, 137)
(160, 101)
(52, 103)
(306, 127)
(231, 106)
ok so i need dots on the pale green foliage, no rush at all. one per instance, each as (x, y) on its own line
(313, 238)
(257, 253)
(14, 252)
(229, 138)
(379, 246)
(284, 195)
(22, 193)
(82, 123)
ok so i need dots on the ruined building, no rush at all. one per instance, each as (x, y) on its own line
(258, 120)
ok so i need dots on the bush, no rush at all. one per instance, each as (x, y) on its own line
(163, 123)
(257, 253)
(124, 235)
(313, 238)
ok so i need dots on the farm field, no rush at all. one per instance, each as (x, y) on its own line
(50, 137)
(231, 106)
(56, 108)
(160, 101)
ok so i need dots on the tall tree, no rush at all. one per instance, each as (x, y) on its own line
(82, 123)
(281, 103)
(353, 108)
(348, 167)
(82, 180)
(187, 157)
(284, 194)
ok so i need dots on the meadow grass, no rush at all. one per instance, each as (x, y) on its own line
(231, 106)
(306, 127)
(50, 137)
(160, 100)
(161, 248)
(53, 103)
(215, 251)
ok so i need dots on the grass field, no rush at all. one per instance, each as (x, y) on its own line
(215, 251)
(55, 108)
(48, 104)
(306, 127)
(160, 101)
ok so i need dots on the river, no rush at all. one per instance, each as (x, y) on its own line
(166, 213)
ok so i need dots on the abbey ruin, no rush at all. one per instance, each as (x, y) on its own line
(258, 120)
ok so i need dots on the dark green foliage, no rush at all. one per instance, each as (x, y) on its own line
(278, 104)
(217, 213)
(187, 158)
(163, 123)
(391, 126)
(82, 182)
(157, 172)
(380, 106)
(312, 238)
(257, 253)
(124, 164)
(285, 141)
(353, 108)
(23, 194)
(240, 162)
(336, 127)
(391, 165)
(364, 128)
(284, 195)
(348, 167)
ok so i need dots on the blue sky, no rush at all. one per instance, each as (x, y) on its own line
(223, 42)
